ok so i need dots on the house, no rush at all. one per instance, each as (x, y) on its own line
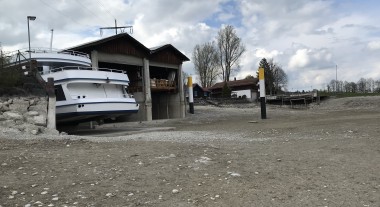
(155, 74)
(199, 92)
(236, 85)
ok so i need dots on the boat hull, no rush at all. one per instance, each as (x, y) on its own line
(86, 111)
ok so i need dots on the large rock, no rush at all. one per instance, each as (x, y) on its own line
(39, 105)
(9, 130)
(19, 105)
(28, 128)
(7, 123)
(32, 101)
(31, 113)
(2, 117)
(19, 122)
(39, 120)
(4, 107)
(13, 115)
(49, 131)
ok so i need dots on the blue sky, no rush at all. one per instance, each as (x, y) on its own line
(306, 37)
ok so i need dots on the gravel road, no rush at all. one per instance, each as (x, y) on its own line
(326, 155)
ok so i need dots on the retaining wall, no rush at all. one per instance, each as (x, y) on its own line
(23, 114)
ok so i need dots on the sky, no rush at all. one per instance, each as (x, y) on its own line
(309, 39)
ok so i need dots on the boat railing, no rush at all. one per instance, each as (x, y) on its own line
(74, 53)
(111, 70)
(84, 68)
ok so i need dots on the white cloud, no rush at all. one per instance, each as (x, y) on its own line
(306, 37)
(310, 58)
(374, 45)
(299, 60)
(263, 53)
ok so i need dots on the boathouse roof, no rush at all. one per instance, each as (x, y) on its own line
(124, 43)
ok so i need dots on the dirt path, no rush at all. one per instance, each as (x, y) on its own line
(316, 157)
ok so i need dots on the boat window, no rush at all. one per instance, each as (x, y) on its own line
(59, 93)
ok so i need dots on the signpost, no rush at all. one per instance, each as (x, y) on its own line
(191, 98)
(262, 93)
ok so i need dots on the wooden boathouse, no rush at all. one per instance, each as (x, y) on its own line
(155, 74)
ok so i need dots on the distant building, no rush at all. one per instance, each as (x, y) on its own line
(200, 92)
(236, 85)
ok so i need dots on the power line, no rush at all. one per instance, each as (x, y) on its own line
(89, 10)
(106, 9)
(121, 28)
(61, 13)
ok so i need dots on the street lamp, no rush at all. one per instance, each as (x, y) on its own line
(32, 18)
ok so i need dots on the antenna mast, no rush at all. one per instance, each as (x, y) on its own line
(122, 28)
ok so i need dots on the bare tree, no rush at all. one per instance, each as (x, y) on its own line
(230, 50)
(349, 87)
(370, 85)
(340, 85)
(377, 86)
(3, 58)
(354, 87)
(184, 77)
(362, 85)
(331, 86)
(346, 86)
(205, 60)
(280, 79)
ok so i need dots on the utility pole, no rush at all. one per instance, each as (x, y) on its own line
(115, 26)
(51, 40)
(122, 28)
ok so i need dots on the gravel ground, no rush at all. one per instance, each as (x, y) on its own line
(326, 155)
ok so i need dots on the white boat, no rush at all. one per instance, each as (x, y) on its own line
(83, 93)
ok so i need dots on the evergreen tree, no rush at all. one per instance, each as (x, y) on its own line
(275, 76)
(226, 91)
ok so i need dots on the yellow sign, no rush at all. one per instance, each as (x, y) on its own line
(189, 81)
(261, 73)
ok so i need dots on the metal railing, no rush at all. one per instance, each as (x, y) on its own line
(48, 50)
(83, 68)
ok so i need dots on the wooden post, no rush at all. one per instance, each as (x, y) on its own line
(51, 119)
